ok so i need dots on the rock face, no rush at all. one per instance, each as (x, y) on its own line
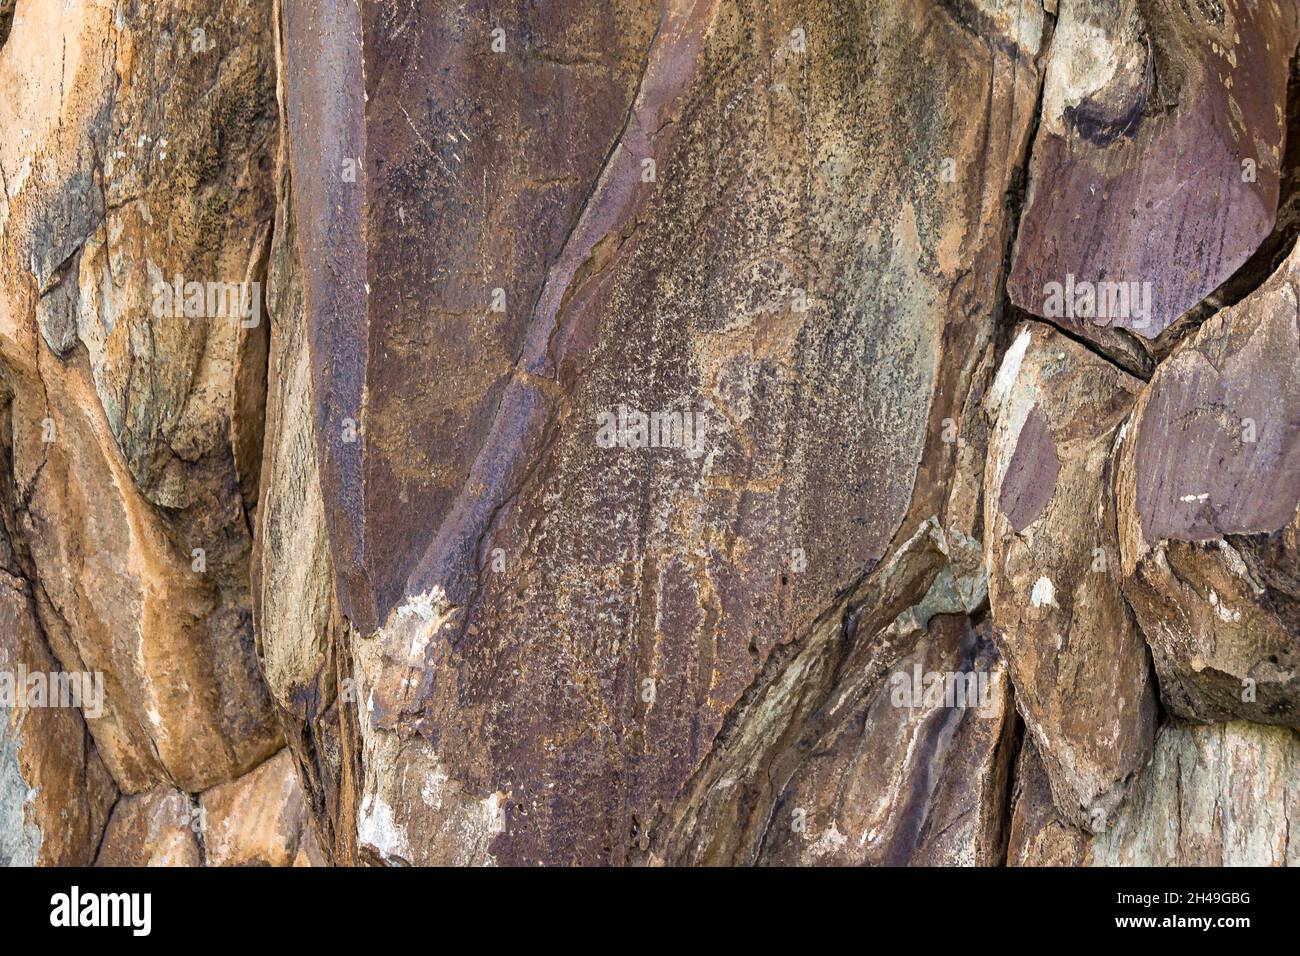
(1167, 116)
(137, 159)
(1061, 622)
(1210, 513)
(1213, 795)
(1220, 795)
(916, 771)
(156, 828)
(258, 820)
(55, 793)
(552, 619)
(649, 432)
(1039, 836)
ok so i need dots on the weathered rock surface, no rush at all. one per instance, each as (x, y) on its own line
(1209, 511)
(563, 627)
(1223, 795)
(55, 794)
(916, 772)
(156, 828)
(1157, 158)
(259, 819)
(1060, 620)
(633, 432)
(1039, 835)
(139, 154)
(1213, 795)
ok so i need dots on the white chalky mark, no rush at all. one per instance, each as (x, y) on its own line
(378, 828)
(1010, 370)
(830, 841)
(1044, 593)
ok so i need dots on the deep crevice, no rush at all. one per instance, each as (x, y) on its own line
(1142, 371)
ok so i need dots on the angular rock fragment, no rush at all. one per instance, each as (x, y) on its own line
(1039, 835)
(55, 794)
(1076, 657)
(1155, 169)
(917, 772)
(257, 820)
(1209, 491)
(156, 828)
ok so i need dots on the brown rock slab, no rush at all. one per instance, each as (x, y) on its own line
(257, 820)
(55, 794)
(156, 828)
(1157, 158)
(917, 772)
(1075, 654)
(523, 579)
(1039, 835)
(1209, 487)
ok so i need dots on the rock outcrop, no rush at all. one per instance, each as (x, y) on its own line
(650, 432)
(1212, 795)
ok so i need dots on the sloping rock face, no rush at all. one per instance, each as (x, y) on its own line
(570, 542)
(649, 432)
(135, 162)
(916, 772)
(1212, 795)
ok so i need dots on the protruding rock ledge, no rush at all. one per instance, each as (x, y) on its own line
(1209, 491)
(1157, 159)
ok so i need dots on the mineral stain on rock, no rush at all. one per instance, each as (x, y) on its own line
(1031, 475)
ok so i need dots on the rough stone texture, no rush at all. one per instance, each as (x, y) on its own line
(259, 819)
(813, 343)
(441, 614)
(907, 777)
(156, 828)
(134, 149)
(1059, 618)
(1208, 507)
(55, 794)
(1039, 836)
(1158, 151)
(1223, 795)
(1217, 795)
